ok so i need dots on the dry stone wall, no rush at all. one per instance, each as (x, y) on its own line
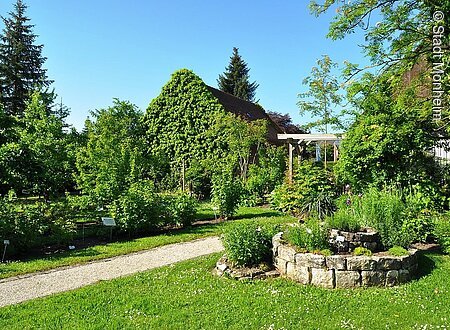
(342, 271)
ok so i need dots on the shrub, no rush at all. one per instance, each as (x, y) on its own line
(226, 194)
(382, 210)
(247, 244)
(362, 251)
(442, 232)
(29, 226)
(138, 210)
(398, 251)
(343, 220)
(312, 192)
(179, 209)
(310, 236)
(263, 177)
(141, 209)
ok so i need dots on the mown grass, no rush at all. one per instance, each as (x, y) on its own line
(97, 252)
(188, 296)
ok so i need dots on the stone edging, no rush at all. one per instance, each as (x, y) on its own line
(342, 271)
(224, 267)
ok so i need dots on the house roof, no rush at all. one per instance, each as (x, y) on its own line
(248, 111)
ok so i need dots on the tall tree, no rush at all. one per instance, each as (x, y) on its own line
(37, 158)
(21, 63)
(114, 156)
(322, 98)
(235, 79)
(284, 121)
(399, 36)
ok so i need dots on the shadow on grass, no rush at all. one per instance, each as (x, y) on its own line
(426, 264)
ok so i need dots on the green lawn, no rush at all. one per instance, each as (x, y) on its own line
(188, 296)
(118, 248)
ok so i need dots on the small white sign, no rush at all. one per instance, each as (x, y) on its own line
(340, 238)
(109, 222)
(6, 242)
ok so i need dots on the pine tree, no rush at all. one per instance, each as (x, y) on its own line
(21, 63)
(235, 79)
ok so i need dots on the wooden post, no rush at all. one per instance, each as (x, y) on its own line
(291, 161)
(299, 156)
(183, 176)
(334, 152)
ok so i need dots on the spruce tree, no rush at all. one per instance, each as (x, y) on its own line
(235, 79)
(21, 62)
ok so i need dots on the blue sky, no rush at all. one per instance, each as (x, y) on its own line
(98, 50)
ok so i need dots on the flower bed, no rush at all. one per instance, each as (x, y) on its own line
(343, 271)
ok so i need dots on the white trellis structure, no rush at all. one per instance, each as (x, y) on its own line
(299, 141)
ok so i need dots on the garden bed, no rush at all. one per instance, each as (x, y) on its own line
(225, 268)
(343, 270)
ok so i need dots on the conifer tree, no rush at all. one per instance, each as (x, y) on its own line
(235, 79)
(21, 62)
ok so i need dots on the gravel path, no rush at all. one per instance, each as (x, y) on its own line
(19, 289)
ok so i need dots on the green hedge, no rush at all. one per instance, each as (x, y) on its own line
(141, 209)
(28, 226)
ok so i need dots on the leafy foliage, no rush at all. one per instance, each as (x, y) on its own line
(311, 236)
(400, 39)
(398, 251)
(29, 226)
(284, 121)
(113, 157)
(235, 79)
(248, 244)
(312, 192)
(142, 210)
(344, 220)
(21, 63)
(442, 232)
(265, 175)
(388, 141)
(226, 194)
(38, 157)
(179, 120)
(322, 95)
(180, 209)
(399, 217)
(362, 251)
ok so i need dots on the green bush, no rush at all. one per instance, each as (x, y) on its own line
(343, 220)
(28, 226)
(398, 251)
(442, 232)
(142, 210)
(362, 251)
(179, 209)
(226, 194)
(311, 236)
(248, 244)
(138, 210)
(263, 177)
(400, 218)
(312, 192)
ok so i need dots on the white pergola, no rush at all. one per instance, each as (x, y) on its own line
(296, 140)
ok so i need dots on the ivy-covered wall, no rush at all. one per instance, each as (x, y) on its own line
(180, 121)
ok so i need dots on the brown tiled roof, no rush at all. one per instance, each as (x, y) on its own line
(247, 110)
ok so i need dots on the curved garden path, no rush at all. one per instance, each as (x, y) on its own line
(18, 289)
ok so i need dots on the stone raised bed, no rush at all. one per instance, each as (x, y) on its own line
(344, 241)
(225, 268)
(342, 271)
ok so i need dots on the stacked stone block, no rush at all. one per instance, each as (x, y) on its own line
(343, 241)
(342, 271)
